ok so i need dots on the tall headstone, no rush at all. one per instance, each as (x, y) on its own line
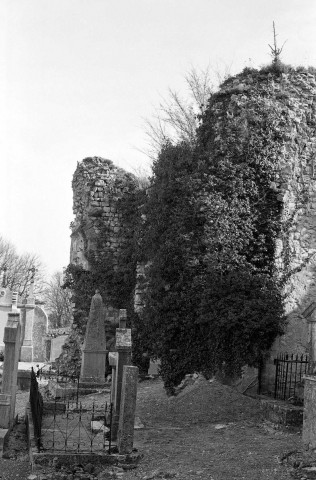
(127, 410)
(94, 348)
(27, 327)
(124, 353)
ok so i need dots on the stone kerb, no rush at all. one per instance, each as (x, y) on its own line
(12, 334)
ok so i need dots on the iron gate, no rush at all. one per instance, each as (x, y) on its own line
(289, 372)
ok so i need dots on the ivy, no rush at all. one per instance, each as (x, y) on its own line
(114, 276)
(214, 300)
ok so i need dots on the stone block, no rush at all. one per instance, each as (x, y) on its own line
(26, 353)
(93, 366)
(127, 410)
(309, 418)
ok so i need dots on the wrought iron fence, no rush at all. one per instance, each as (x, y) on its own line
(36, 402)
(72, 427)
(289, 373)
(65, 423)
(57, 384)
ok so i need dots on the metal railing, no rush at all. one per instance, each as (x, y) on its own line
(58, 383)
(36, 402)
(69, 427)
(67, 422)
(289, 372)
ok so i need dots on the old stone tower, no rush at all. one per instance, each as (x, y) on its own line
(98, 229)
(288, 96)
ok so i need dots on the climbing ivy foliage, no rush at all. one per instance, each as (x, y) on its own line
(214, 298)
(114, 277)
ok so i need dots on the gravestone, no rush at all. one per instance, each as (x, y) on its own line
(127, 410)
(5, 308)
(94, 347)
(123, 342)
(11, 338)
(27, 326)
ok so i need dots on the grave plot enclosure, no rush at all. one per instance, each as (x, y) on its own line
(65, 423)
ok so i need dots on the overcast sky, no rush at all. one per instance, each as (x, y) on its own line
(77, 78)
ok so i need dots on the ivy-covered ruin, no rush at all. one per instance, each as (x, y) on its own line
(215, 260)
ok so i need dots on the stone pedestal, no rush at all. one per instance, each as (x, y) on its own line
(93, 366)
(309, 419)
(5, 409)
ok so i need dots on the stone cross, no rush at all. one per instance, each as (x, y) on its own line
(27, 322)
(94, 348)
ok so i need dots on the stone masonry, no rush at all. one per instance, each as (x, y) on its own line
(292, 95)
(98, 227)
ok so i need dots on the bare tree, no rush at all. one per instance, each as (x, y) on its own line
(58, 301)
(177, 118)
(20, 270)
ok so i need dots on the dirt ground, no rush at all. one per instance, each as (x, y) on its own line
(209, 431)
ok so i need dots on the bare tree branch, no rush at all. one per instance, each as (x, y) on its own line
(58, 301)
(177, 118)
(21, 270)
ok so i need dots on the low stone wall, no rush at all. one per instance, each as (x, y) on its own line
(282, 414)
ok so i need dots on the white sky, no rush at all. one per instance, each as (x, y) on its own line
(77, 77)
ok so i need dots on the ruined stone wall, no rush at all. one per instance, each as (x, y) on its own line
(98, 226)
(296, 249)
(291, 95)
